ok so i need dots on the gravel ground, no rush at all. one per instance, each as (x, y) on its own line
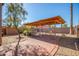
(24, 50)
(46, 41)
(67, 47)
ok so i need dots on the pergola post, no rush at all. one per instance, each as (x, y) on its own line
(61, 25)
(55, 28)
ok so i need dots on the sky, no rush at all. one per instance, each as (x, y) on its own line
(39, 11)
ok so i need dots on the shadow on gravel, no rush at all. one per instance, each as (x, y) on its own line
(68, 42)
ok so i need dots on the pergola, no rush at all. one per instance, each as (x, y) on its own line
(48, 21)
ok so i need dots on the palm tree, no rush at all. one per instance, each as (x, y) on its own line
(71, 20)
(15, 15)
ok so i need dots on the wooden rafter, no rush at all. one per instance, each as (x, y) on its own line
(48, 21)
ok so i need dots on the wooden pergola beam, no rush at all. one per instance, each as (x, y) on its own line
(48, 21)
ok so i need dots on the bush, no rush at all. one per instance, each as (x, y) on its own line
(27, 32)
(24, 32)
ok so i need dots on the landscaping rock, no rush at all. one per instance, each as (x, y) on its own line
(23, 50)
(9, 53)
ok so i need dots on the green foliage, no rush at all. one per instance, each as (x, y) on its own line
(64, 26)
(15, 14)
(24, 32)
(27, 31)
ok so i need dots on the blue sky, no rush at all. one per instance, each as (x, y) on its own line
(37, 11)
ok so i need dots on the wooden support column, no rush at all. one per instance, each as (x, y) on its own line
(55, 29)
(61, 25)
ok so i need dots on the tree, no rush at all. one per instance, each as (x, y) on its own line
(1, 4)
(15, 15)
(0, 23)
(71, 20)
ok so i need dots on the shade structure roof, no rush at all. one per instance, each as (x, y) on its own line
(47, 21)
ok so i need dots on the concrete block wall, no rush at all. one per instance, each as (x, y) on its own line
(11, 31)
(61, 30)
